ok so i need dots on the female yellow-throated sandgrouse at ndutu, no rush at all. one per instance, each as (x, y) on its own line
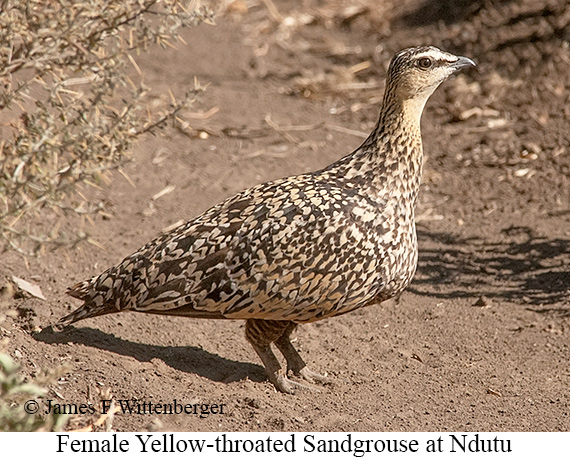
(298, 249)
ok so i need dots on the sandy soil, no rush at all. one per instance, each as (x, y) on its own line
(480, 341)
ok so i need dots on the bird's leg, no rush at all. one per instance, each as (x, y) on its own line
(294, 361)
(261, 333)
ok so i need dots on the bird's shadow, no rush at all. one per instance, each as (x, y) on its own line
(517, 266)
(189, 359)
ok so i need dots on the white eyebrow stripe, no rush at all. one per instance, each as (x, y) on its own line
(439, 56)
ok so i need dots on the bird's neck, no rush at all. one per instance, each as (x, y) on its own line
(389, 162)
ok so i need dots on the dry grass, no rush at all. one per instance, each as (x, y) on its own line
(73, 102)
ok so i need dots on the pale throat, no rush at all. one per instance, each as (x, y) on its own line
(412, 110)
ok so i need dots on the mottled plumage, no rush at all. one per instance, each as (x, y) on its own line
(298, 249)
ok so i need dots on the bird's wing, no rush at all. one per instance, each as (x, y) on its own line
(290, 252)
(291, 249)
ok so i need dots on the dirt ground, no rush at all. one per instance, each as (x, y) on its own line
(479, 342)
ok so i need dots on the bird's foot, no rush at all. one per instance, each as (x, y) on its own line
(311, 376)
(288, 386)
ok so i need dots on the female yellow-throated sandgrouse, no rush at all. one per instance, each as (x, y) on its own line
(298, 249)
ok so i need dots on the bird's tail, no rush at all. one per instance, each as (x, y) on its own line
(94, 305)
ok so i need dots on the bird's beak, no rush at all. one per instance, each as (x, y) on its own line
(463, 62)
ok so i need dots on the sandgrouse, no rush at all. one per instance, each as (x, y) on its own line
(298, 249)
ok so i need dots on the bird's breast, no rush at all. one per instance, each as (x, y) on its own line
(395, 245)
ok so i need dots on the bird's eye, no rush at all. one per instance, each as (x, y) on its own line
(424, 62)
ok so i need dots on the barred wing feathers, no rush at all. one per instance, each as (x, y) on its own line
(293, 249)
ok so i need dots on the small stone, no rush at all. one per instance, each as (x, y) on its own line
(483, 302)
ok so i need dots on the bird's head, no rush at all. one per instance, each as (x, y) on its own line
(415, 73)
